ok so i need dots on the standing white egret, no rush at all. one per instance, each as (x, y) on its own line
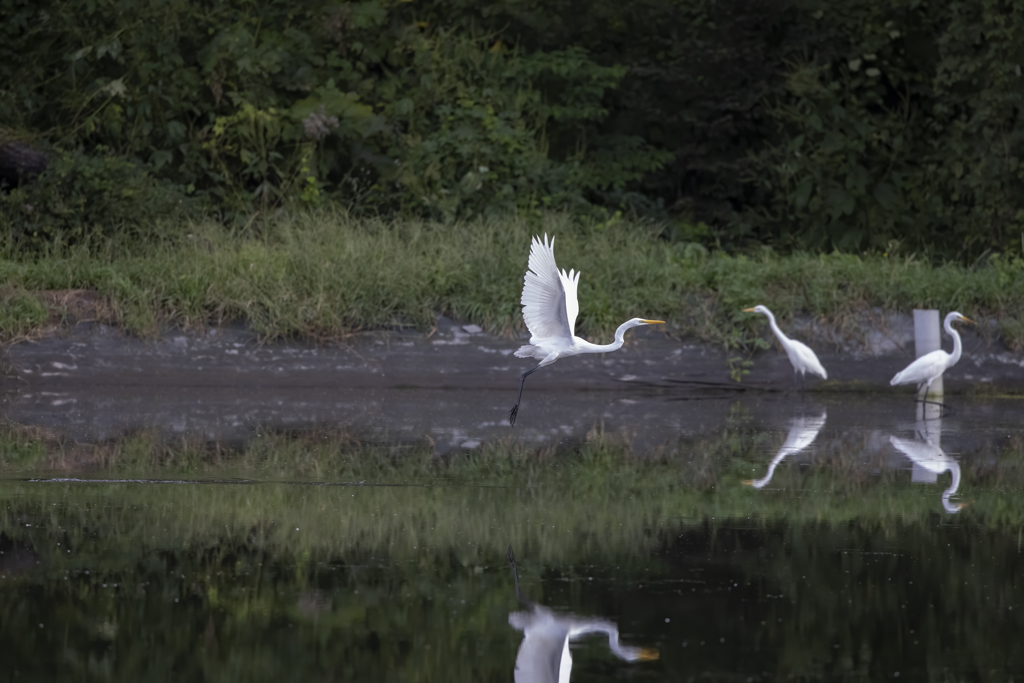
(930, 366)
(802, 434)
(550, 309)
(800, 355)
(544, 655)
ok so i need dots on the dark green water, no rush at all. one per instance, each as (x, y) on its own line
(317, 555)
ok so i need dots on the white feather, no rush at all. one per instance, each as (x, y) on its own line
(931, 457)
(550, 308)
(802, 434)
(549, 299)
(930, 366)
(800, 355)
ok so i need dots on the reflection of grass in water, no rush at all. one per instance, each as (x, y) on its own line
(245, 560)
(594, 496)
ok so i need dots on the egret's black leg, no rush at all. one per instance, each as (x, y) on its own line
(515, 409)
(515, 572)
(922, 397)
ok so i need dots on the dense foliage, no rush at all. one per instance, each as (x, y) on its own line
(259, 104)
(817, 124)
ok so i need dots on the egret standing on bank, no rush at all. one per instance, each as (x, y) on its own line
(800, 355)
(549, 310)
(930, 366)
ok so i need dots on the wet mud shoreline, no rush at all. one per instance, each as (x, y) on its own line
(98, 383)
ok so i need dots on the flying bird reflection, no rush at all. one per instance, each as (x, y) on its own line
(802, 433)
(926, 452)
(544, 655)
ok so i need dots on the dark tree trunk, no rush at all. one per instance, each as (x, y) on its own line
(20, 163)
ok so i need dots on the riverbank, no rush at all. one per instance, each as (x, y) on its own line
(454, 383)
(324, 277)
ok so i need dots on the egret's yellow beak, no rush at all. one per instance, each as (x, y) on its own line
(648, 654)
(961, 506)
(653, 322)
(748, 310)
(965, 319)
(748, 482)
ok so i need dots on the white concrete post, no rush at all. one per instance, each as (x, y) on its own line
(928, 338)
(929, 427)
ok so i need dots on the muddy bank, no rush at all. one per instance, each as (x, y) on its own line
(455, 385)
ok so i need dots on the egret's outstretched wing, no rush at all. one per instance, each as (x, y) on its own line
(549, 296)
(571, 283)
(541, 656)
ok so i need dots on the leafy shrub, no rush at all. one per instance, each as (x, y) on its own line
(900, 131)
(890, 126)
(260, 105)
(475, 131)
(85, 199)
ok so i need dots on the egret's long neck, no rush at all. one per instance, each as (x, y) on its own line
(626, 652)
(615, 646)
(957, 346)
(775, 326)
(601, 626)
(779, 457)
(954, 485)
(614, 346)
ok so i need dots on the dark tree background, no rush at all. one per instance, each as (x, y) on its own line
(802, 124)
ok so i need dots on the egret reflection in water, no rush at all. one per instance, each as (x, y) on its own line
(802, 433)
(927, 455)
(544, 655)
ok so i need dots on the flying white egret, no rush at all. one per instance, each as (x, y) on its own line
(544, 655)
(800, 355)
(550, 309)
(802, 434)
(930, 366)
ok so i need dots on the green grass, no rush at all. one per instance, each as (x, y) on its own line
(324, 276)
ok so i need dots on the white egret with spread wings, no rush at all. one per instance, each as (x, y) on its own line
(544, 655)
(550, 308)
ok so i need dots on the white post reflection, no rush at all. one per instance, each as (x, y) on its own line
(925, 451)
(802, 433)
(544, 655)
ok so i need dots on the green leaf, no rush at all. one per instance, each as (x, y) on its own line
(839, 202)
(887, 197)
(803, 193)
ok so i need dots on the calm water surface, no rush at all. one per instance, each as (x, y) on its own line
(751, 539)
